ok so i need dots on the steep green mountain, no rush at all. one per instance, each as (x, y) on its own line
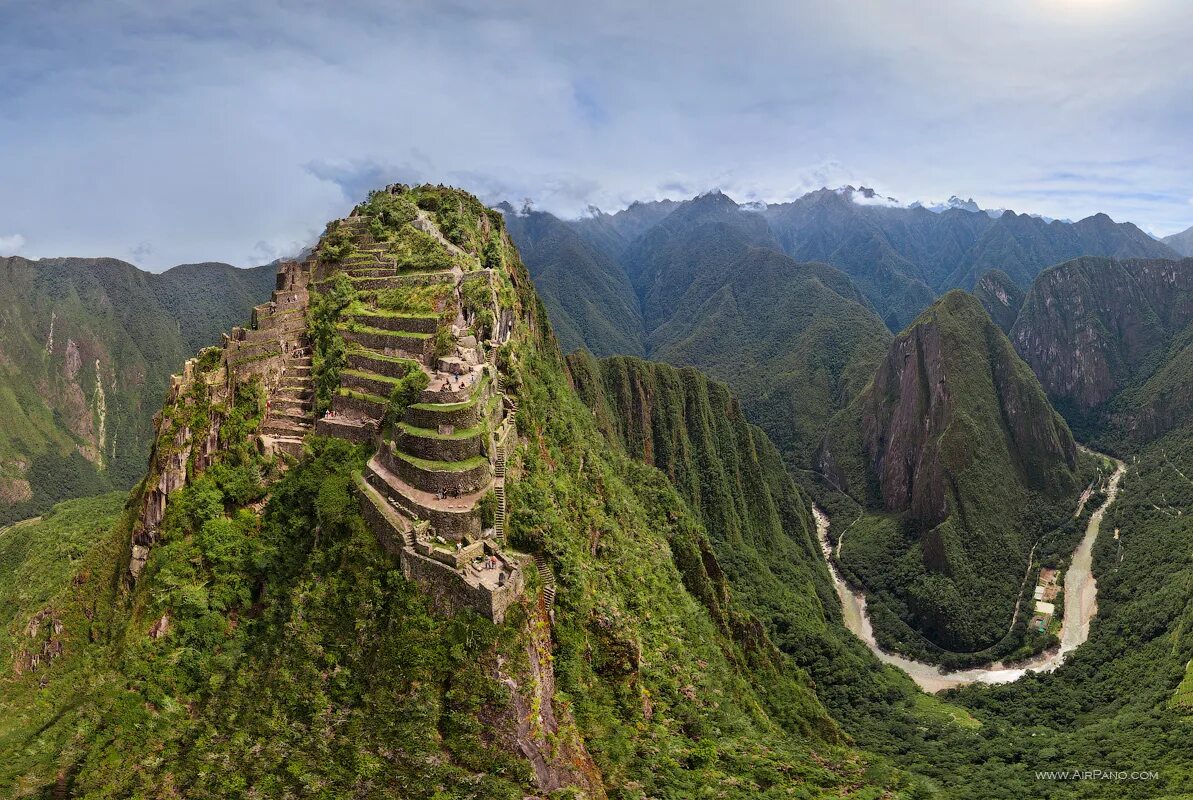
(1001, 297)
(1109, 341)
(594, 305)
(1181, 242)
(255, 624)
(959, 463)
(795, 341)
(87, 347)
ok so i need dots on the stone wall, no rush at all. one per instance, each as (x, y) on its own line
(409, 324)
(380, 366)
(464, 481)
(415, 347)
(363, 383)
(468, 416)
(357, 407)
(382, 521)
(449, 523)
(437, 449)
(341, 428)
(450, 593)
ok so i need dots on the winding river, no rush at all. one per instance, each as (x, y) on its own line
(1081, 604)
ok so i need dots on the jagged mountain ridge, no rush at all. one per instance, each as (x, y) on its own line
(795, 341)
(87, 347)
(901, 258)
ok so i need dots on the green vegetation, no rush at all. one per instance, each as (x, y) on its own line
(432, 298)
(960, 465)
(443, 466)
(329, 349)
(405, 392)
(336, 244)
(38, 556)
(427, 433)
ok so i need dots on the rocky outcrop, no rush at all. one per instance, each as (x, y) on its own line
(177, 453)
(949, 365)
(1089, 325)
(1001, 297)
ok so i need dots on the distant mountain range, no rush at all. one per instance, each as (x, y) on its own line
(1181, 242)
(87, 347)
(901, 258)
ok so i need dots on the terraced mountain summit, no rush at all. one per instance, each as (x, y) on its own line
(388, 334)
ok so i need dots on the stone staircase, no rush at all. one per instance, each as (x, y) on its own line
(499, 517)
(548, 579)
(291, 405)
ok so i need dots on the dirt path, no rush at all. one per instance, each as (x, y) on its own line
(1081, 604)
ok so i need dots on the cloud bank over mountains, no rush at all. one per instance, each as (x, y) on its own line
(186, 131)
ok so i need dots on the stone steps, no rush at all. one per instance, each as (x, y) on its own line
(280, 403)
(294, 391)
(279, 426)
(499, 516)
(548, 578)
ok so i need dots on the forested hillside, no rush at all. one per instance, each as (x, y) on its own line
(1110, 342)
(87, 347)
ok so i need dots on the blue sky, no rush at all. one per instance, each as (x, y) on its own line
(171, 131)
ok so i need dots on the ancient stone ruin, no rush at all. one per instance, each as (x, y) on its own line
(434, 490)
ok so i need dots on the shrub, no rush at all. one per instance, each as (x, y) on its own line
(330, 352)
(405, 392)
(336, 245)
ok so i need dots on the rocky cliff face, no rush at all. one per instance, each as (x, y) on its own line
(1090, 327)
(917, 416)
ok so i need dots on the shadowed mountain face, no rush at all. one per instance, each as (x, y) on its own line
(87, 347)
(954, 440)
(596, 305)
(1110, 342)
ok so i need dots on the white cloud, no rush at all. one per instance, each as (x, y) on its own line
(11, 245)
(207, 128)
